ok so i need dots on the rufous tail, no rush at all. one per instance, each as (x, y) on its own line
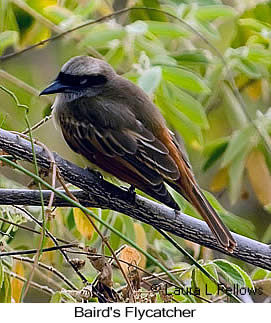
(199, 201)
(212, 219)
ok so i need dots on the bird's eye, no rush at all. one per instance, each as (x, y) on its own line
(83, 81)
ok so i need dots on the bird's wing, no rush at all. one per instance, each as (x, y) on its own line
(133, 154)
(137, 146)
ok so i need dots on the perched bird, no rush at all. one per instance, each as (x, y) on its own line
(114, 124)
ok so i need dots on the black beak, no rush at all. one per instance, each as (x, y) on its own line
(55, 87)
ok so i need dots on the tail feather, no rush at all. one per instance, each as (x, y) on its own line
(199, 201)
(214, 222)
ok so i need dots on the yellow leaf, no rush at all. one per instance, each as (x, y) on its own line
(82, 223)
(39, 5)
(49, 257)
(220, 180)
(130, 255)
(34, 34)
(141, 241)
(16, 284)
(259, 176)
(254, 90)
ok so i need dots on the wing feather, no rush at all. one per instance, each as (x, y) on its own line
(128, 152)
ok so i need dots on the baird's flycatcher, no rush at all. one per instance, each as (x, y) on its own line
(114, 124)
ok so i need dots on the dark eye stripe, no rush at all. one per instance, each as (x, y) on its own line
(81, 80)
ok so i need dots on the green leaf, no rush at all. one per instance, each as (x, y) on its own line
(261, 55)
(229, 272)
(238, 224)
(207, 29)
(165, 247)
(214, 150)
(205, 284)
(152, 47)
(212, 12)
(254, 24)
(154, 15)
(8, 38)
(56, 298)
(186, 274)
(239, 141)
(47, 110)
(115, 56)
(115, 240)
(70, 220)
(163, 60)
(267, 234)
(259, 274)
(247, 280)
(185, 79)
(232, 221)
(57, 14)
(236, 171)
(248, 68)
(168, 29)
(188, 105)
(189, 131)
(191, 56)
(5, 291)
(100, 38)
(150, 79)
(8, 19)
(86, 9)
(129, 227)
(67, 297)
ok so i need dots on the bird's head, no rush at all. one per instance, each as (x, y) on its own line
(81, 76)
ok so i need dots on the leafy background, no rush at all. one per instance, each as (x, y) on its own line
(227, 139)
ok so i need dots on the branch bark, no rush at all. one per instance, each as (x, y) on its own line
(97, 192)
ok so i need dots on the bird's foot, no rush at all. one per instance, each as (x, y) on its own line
(176, 213)
(131, 193)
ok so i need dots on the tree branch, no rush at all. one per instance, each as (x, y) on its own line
(99, 193)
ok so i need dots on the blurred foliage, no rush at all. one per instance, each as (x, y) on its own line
(191, 85)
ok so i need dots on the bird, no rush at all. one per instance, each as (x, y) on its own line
(114, 124)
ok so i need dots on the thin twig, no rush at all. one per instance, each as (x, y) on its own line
(43, 276)
(41, 242)
(28, 229)
(101, 236)
(150, 276)
(46, 22)
(38, 124)
(82, 277)
(33, 251)
(44, 288)
(49, 268)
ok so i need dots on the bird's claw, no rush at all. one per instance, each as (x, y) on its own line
(131, 193)
(176, 213)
